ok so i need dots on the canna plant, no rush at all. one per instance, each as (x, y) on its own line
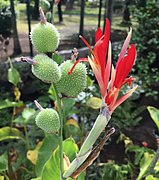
(69, 79)
(110, 81)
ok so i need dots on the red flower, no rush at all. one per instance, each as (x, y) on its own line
(111, 80)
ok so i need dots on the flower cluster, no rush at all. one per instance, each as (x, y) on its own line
(111, 79)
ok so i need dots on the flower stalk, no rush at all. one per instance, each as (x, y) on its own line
(61, 115)
(86, 149)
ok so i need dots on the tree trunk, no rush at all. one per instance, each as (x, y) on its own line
(17, 48)
(60, 12)
(69, 5)
(35, 15)
(126, 13)
(108, 11)
(81, 21)
(99, 15)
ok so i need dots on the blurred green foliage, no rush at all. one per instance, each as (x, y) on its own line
(146, 39)
(5, 18)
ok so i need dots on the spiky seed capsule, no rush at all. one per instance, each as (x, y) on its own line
(45, 5)
(45, 37)
(72, 84)
(48, 120)
(46, 69)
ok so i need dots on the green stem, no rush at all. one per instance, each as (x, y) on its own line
(58, 100)
(10, 62)
(26, 137)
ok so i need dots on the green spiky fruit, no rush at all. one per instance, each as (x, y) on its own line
(45, 37)
(48, 120)
(45, 5)
(46, 69)
(72, 84)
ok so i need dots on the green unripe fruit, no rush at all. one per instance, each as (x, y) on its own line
(72, 84)
(48, 120)
(45, 5)
(46, 69)
(45, 37)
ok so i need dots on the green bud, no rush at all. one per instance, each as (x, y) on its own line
(72, 84)
(45, 37)
(46, 69)
(48, 120)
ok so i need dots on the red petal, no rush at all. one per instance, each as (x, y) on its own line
(106, 34)
(101, 48)
(107, 69)
(123, 98)
(86, 43)
(125, 46)
(124, 66)
(98, 34)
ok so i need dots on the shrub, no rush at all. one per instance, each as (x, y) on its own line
(146, 38)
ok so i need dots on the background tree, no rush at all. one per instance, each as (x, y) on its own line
(108, 11)
(100, 10)
(17, 48)
(60, 11)
(69, 4)
(126, 13)
(35, 14)
(81, 29)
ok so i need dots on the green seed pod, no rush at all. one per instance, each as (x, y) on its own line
(46, 69)
(45, 5)
(45, 37)
(48, 120)
(72, 84)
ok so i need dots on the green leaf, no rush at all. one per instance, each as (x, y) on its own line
(144, 164)
(39, 178)
(89, 82)
(72, 129)
(9, 133)
(7, 103)
(50, 142)
(51, 92)
(1, 177)
(13, 76)
(28, 113)
(94, 102)
(51, 169)
(151, 177)
(154, 113)
(19, 119)
(3, 162)
(68, 104)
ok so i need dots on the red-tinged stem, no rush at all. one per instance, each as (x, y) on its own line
(28, 60)
(42, 16)
(80, 60)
